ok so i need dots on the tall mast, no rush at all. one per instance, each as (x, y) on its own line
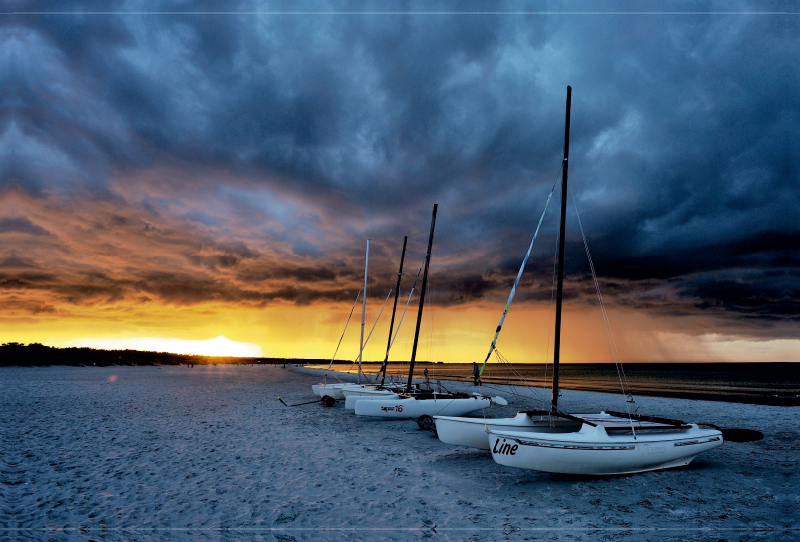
(363, 311)
(422, 299)
(394, 310)
(560, 287)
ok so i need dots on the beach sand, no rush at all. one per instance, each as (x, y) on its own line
(208, 453)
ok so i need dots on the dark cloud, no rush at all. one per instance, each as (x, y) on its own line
(305, 274)
(25, 280)
(299, 136)
(14, 262)
(21, 225)
(469, 288)
(215, 261)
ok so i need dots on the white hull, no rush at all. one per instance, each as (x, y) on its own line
(593, 451)
(474, 432)
(331, 390)
(350, 401)
(365, 391)
(414, 408)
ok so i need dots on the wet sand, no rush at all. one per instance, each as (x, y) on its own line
(142, 453)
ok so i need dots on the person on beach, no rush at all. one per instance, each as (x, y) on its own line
(426, 374)
(476, 374)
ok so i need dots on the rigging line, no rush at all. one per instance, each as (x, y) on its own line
(409, 298)
(376, 323)
(613, 344)
(521, 398)
(550, 315)
(552, 293)
(507, 373)
(430, 311)
(404, 312)
(516, 282)
(512, 376)
(434, 286)
(506, 364)
(342, 337)
(497, 389)
(607, 322)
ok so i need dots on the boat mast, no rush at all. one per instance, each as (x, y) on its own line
(560, 287)
(363, 312)
(421, 299)
(394, 310)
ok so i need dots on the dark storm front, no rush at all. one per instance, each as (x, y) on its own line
(754, 383)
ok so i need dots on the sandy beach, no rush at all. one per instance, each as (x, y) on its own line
(145, 453)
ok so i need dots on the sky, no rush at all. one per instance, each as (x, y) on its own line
(171, 172)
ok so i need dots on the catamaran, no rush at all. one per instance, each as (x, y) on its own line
(601, 443)
(329, 393)
(383, 390)
(418, 402)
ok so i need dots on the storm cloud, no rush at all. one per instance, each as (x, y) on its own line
(244, 158)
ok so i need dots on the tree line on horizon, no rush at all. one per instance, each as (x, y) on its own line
(40, 355)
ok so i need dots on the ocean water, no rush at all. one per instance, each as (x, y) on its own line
(756, 383)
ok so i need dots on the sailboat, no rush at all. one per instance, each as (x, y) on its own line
(473, 432)
(603, 443)
(418, 403)
(383, 390)
(329, 393)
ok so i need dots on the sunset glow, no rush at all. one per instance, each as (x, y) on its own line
(218, 346)
(207, 184)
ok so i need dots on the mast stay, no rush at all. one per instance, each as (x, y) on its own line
(342, 337)
(516, 282)
(363, 311)
(394, 311)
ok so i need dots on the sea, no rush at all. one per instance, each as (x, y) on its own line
(754, 383)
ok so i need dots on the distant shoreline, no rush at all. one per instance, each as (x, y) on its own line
(760, 383)
(38, 355)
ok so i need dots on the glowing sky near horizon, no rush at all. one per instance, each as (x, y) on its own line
(177, 177)
(218, 346)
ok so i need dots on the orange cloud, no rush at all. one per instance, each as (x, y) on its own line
(155, 259)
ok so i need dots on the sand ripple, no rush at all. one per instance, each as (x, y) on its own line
(209, 453)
